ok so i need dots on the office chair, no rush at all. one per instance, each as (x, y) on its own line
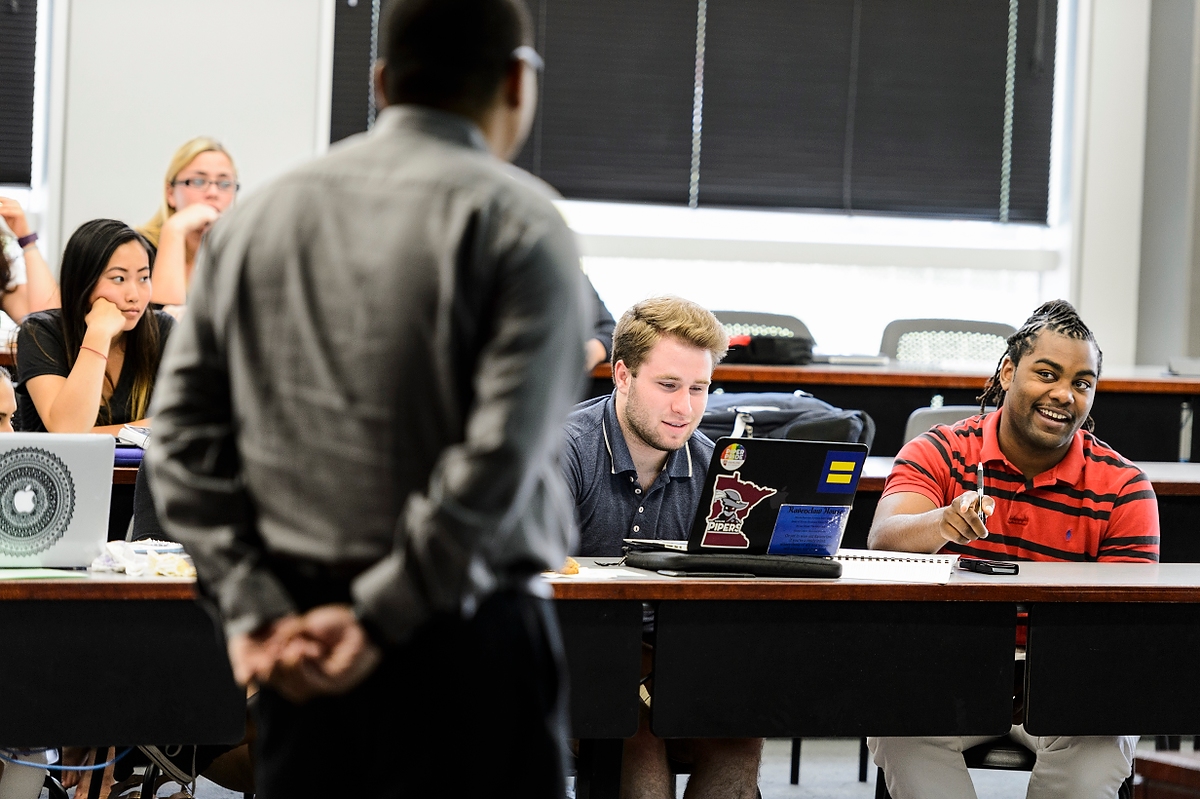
(54, 788)
(934, 341)
(923, 419)
(1002, 754)
(753, 323)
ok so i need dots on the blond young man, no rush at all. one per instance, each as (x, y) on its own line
(635, 464)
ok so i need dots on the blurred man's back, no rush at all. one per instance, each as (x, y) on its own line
(357, 429)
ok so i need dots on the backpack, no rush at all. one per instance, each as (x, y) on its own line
(793, 350)
(799, 415)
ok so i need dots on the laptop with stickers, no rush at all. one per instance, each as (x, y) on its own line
(765, 496)
(54, 498)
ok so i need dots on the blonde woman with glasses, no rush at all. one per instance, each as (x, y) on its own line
(201, 182)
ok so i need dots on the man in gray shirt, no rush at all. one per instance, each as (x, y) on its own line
(357, 427)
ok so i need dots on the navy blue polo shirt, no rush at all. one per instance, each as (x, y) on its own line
(609, 503)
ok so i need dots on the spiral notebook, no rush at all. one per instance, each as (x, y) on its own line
(897, 567)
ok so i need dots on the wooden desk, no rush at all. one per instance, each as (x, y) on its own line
(1137, 411)
(733, 657)
(1154, 610)
(785, 658)
(111, 660)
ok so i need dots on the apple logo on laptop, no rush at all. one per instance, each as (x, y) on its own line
(24, 500)
(37, 500)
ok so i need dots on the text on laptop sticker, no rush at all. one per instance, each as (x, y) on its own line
(840, 475)
(733, 499)
(808, 529)
(733, 456)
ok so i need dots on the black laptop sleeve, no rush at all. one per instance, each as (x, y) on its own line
(758, 565)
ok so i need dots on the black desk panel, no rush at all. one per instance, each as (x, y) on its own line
(794, 668)
(603, 641)
(1100, 669)
(157, 674)
(1179, 527)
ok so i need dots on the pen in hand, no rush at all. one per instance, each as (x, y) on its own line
(979, 488)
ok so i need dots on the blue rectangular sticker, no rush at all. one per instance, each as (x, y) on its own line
(808, 529)
(840, 475)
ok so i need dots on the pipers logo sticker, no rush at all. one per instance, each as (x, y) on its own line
(733, 499)
(37, 500)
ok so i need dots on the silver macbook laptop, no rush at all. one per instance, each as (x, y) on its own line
(54, 497)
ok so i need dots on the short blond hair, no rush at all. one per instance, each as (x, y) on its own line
(641, 327)
(183, 156)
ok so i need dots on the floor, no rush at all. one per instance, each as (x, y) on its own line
(828, 770)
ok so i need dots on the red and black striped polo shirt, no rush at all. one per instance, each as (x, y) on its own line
(1094, 505)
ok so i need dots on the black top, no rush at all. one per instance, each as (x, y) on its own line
(602, 331)
(42, 351)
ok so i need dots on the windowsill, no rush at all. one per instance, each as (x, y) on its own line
(618, 230)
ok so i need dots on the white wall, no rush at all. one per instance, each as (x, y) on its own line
(844, 307)
(137, 78)
(1107, 227)
(1169, 205)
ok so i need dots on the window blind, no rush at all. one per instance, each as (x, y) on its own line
(917, 107)
(615, 117)
(353, 28)
(18, 32)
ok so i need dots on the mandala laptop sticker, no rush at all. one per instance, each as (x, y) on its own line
(37, 500)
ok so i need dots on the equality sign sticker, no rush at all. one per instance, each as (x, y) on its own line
(841, 472)
(808, 529)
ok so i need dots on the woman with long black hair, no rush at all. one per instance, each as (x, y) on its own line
(90, 366)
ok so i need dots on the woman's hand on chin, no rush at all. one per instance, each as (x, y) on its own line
(105, 317)
(197, 217)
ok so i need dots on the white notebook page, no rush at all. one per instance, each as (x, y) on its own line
(900, 567)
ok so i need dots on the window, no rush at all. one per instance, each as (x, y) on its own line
(916, 107)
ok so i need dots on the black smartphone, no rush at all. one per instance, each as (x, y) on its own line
(988, 566)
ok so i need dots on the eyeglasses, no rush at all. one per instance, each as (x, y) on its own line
(202, 183)
(529, 56)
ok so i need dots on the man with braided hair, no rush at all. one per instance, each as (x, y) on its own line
(1055, 492)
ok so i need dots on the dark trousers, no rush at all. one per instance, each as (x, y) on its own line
(468, 707)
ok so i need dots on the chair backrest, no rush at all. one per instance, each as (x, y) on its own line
(753, 323)
(923, 419)
(958, 341)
